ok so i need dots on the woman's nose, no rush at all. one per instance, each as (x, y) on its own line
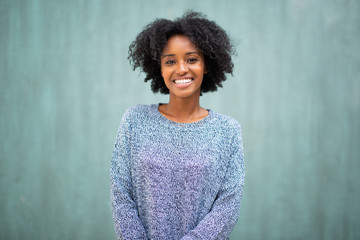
(182, 68)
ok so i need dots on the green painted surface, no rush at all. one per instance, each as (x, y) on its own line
(65, 83)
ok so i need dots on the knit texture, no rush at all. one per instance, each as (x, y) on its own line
(174, 180)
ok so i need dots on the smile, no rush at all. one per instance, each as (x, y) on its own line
(183, 82)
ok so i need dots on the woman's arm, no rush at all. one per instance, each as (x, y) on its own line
(125, 215)
(219, 222)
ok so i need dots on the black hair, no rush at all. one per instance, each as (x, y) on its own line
(208, 37)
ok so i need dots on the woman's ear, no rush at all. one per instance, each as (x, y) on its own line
(205, 71)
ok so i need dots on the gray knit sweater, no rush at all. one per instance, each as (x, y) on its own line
(174, 180)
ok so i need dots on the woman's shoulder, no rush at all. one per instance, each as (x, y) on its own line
(226, 121)
(138, 112)
(139, 109)
(229, 128)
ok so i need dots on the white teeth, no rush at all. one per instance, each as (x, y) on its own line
(183, 81)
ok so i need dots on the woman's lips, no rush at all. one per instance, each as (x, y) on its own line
(183, 82)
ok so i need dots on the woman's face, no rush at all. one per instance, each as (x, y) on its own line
(182, 67)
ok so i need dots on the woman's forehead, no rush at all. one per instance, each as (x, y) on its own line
(179, 43)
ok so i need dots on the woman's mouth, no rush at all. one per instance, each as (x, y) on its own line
(183, 82)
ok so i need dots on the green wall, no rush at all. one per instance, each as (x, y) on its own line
(65, 83)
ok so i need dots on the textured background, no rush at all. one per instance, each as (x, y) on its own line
(66, 81)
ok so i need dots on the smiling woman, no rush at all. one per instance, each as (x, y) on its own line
(182, 68)
(182, 65)
(177, 170)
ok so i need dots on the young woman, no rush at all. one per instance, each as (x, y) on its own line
(177, 170)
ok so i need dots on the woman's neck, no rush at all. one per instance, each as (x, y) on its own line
(184, 110)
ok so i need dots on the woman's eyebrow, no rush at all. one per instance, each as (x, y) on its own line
(188, 53)
(168, 55)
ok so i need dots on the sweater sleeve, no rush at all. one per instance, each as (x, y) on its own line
(219, 222)
(124, 210)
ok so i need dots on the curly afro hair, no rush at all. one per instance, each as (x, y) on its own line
(208, 37)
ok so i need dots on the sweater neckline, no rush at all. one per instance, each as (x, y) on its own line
(163, 119)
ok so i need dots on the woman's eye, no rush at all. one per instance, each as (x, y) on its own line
(169, 62)
(191, 60)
